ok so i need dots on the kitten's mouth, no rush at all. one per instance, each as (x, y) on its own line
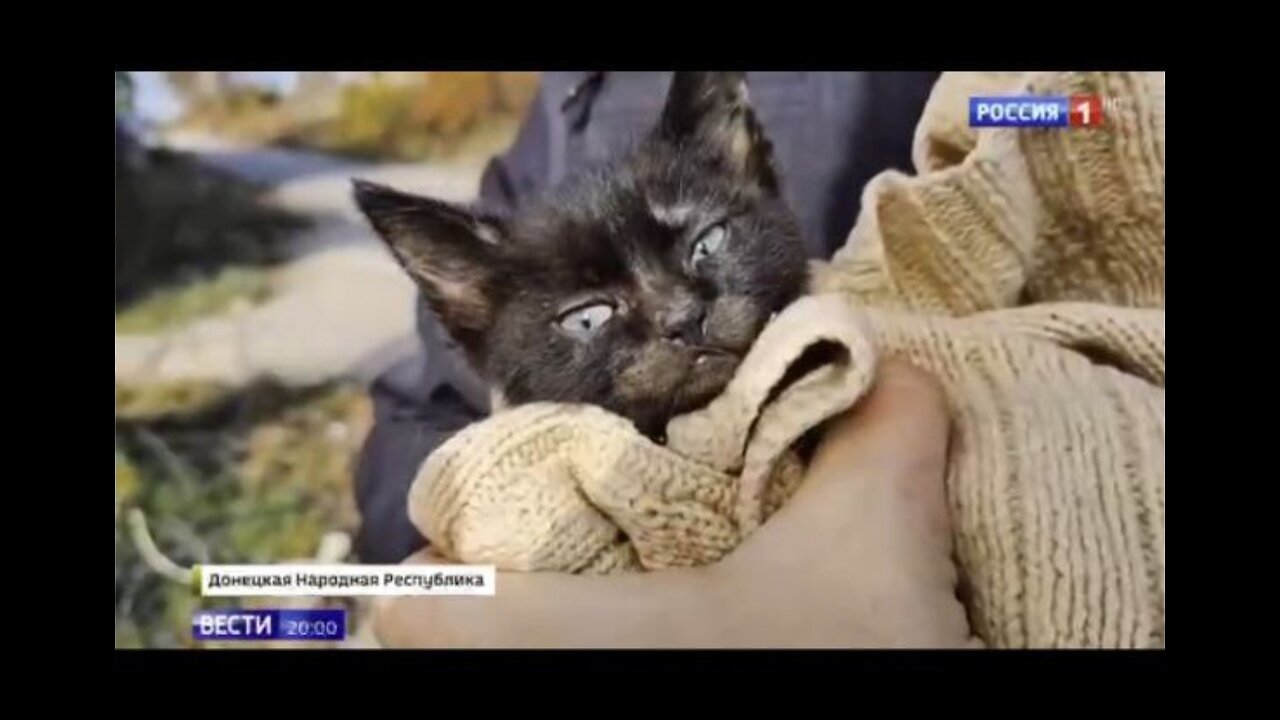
(710, 372)
(705, 353)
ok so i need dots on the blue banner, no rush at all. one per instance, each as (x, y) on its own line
(1029, 111)
(257, 625)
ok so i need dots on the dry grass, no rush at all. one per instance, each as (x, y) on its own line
(231, 289)
(426, 116)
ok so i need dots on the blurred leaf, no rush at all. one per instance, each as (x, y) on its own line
(126, 478)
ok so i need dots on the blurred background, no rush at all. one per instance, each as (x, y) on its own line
(253, 306)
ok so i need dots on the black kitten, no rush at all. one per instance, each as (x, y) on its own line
(637, 287)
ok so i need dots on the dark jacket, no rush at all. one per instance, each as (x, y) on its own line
(831, 131)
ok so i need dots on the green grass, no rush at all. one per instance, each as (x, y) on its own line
(222, 475)
(249, 477)
(175, 306)
(255, 475)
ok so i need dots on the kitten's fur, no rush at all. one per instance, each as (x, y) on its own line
(663, 335)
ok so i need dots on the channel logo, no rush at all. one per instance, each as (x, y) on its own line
(1036, 111)
(263, 625)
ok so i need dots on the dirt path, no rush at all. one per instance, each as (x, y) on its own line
(342, 308)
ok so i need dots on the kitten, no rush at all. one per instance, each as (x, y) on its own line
(638, 286)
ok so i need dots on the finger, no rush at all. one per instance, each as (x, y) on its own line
(900, 397)
(406, 622)
(876, 490)
(394, 617)
(905, 438)
(870, 521)
(428, 556)
(546, 610)
(901, 425)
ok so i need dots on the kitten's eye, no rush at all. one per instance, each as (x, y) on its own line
(583, 322)
(708, 243)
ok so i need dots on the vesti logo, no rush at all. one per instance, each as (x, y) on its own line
(260, 625)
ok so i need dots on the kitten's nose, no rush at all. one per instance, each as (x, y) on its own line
(685, 325)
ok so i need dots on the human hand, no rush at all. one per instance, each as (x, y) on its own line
(859, 557)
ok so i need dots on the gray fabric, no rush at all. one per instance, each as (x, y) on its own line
(832, 132)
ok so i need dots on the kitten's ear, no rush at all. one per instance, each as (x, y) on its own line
(712, 110)
(450, 252)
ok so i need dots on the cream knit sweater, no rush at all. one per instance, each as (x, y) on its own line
(1025, 268)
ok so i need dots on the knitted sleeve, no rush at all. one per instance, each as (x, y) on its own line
(1025, 269)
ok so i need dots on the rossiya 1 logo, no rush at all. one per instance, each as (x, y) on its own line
(1037, 111)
